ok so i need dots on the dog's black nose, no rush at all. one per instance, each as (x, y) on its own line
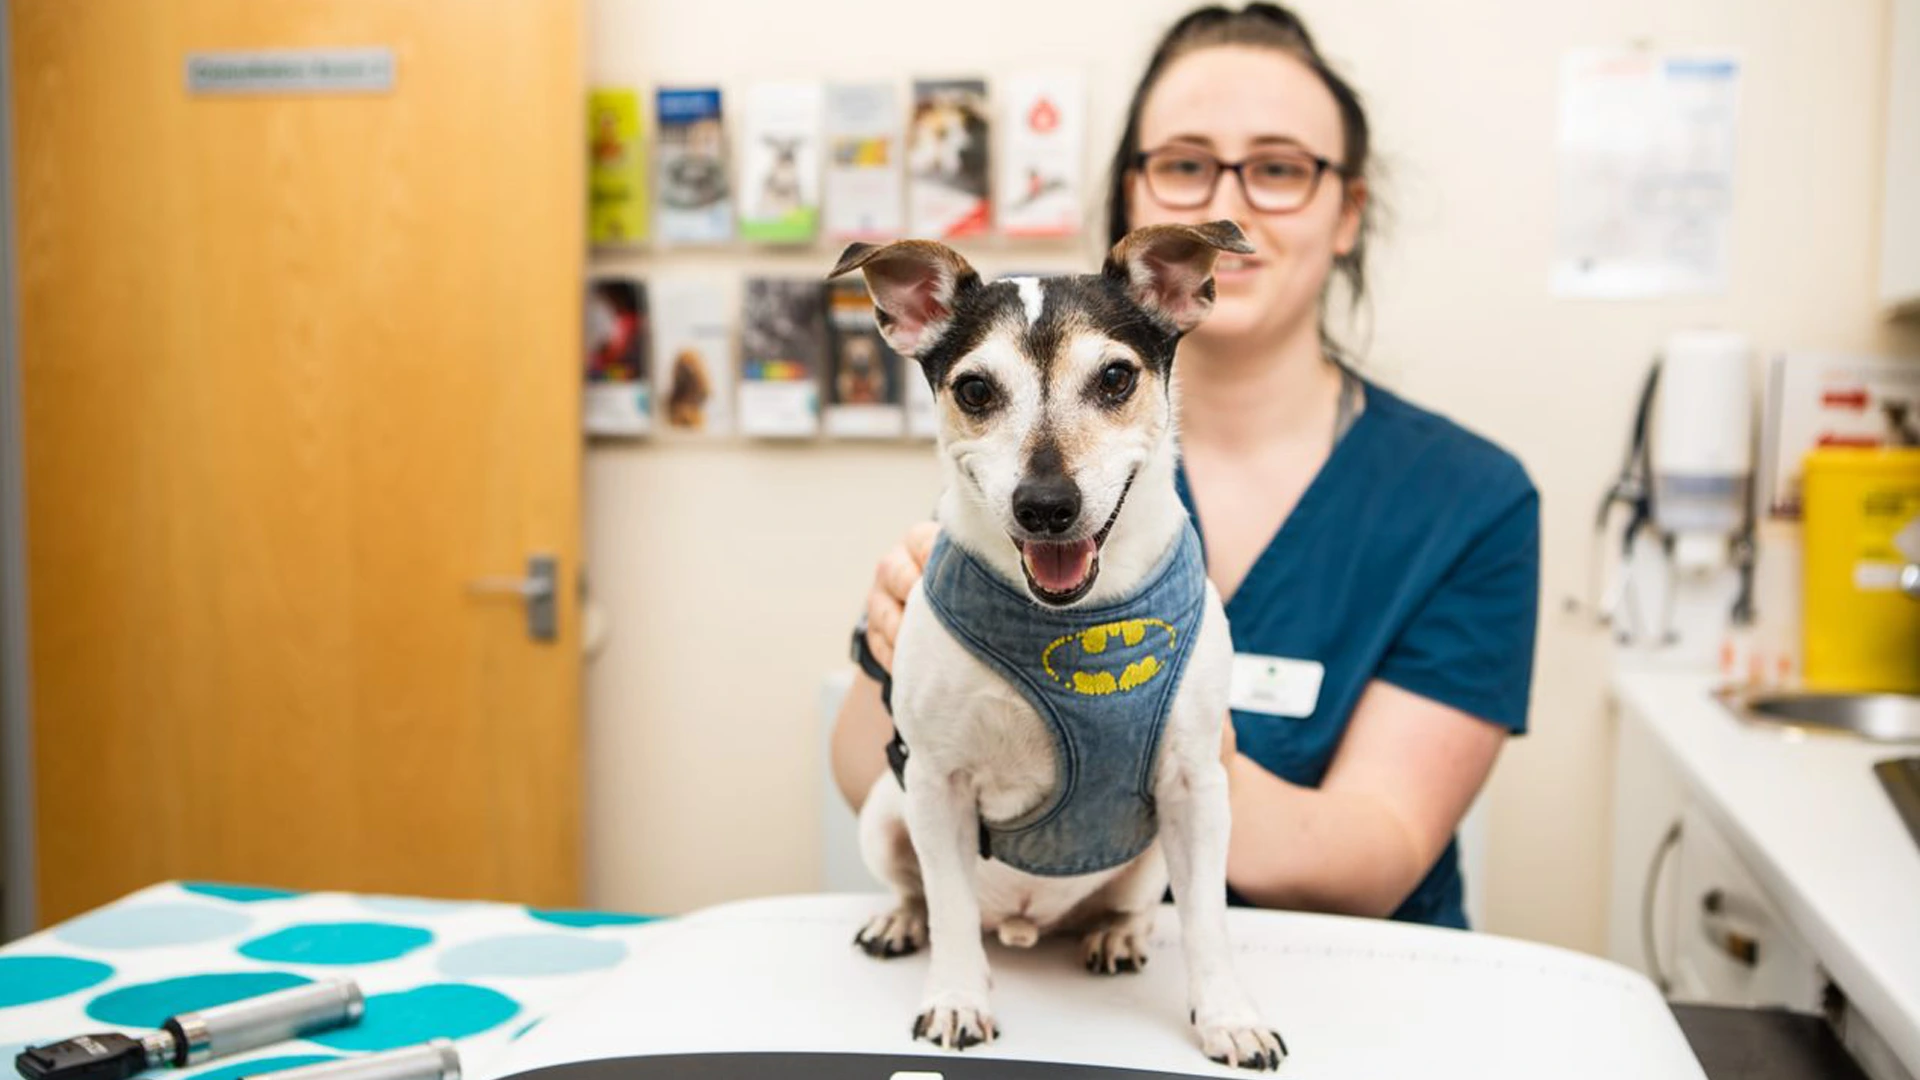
(1046, 504)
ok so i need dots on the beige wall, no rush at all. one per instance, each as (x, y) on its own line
(730, 571)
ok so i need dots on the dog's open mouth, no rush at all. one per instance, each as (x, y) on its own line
(1059, 574)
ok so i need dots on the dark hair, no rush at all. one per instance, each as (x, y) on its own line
(1265, 26)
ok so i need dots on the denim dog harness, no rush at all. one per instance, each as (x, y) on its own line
(1104, 681)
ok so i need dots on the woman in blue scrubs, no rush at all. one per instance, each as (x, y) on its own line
(1379, 563)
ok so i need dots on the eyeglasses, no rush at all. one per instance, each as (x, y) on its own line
(1274, 181)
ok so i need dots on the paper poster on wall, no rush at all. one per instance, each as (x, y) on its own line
(780, 163)
(693, 341)
(694, 204)
(616, 170)
(947, 161)
(618, 395)
(865, 183)
(864, 374)
(783, 346)
(1043, 118)
(1646, 173)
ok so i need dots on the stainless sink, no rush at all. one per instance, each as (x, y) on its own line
(1875, 717)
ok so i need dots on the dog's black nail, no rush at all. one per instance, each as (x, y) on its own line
(1128, 963)
(1221, 1060)
(1281, 1041)
(920, 1025)
(1193, 1016)
(967, 1038)
(1273, 1059)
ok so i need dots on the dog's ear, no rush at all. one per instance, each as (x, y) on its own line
(914, 285)
(1168, 269)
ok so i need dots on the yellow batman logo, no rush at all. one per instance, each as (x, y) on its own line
(1086, 662)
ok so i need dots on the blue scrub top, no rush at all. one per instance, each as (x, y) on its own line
(1413, 557)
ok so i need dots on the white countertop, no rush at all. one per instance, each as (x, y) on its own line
(1813, 823)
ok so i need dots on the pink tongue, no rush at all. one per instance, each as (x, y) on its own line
(1059, 568)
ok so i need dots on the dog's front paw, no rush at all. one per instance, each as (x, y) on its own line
(1240, 1042)
(897, 933)
(1117, 945)
(955, 1021)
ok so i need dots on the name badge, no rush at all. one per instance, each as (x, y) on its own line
(1275, 685)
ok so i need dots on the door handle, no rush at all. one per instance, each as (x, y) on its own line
(539, 589)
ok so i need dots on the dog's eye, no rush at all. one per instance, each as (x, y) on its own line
(1117, 380)
(972, 392)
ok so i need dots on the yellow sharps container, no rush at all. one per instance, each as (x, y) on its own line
(1861, 528)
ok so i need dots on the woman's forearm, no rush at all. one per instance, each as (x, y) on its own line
(860, 736)
(1405, 774)
(1317, 850)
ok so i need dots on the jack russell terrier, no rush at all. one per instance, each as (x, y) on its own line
(1061, 673)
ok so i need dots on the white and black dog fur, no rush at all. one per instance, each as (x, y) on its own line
(1065, 383)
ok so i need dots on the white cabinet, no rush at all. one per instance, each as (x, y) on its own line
(1684, 909)
(1732, 945)
(1781, 844)
(1900, 199)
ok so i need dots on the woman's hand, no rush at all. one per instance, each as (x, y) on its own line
(893, 581)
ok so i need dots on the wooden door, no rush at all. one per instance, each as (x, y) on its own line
(295, 368)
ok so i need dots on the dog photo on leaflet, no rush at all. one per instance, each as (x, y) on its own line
(693, 340)
(864, 376)
(947, 158)
(780, 163)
